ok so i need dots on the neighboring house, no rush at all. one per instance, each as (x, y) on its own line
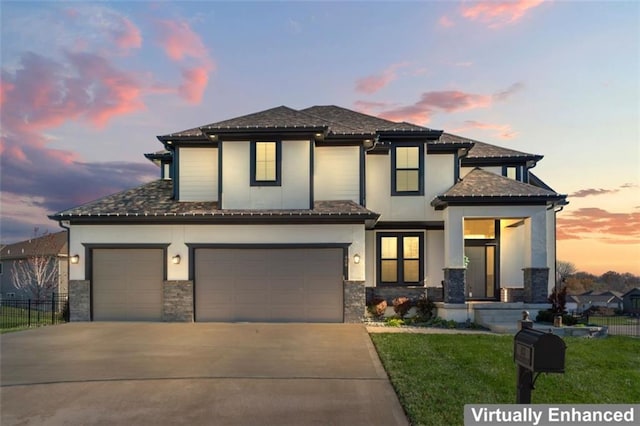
(53, 245)
(583, 302)
(302, 215)
(631, 301)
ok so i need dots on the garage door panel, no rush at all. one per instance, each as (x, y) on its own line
(127, 284)
(269, 284)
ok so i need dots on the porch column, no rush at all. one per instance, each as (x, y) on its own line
(454, 271)
(536, 270)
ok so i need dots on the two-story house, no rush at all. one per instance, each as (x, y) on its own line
(301, 215)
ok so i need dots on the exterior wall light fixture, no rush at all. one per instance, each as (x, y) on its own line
(356, 258)
(74, 259)
(176, 259)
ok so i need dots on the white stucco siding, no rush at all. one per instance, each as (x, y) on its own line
(337, 173)
(198, 168)
(178, 236)
(493, 169)
(439, 170)
(551, 243)
(512, 245)
(535, 231)
(438, 176)
(293, 193)
(435, 258)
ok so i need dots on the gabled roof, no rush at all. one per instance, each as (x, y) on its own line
(363, 123)
(481, 152)
(49, 244)
(153, 201)
(329, 120)
(481, 186)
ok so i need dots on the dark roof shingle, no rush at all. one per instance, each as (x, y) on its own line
(155, 200)
(483, 186)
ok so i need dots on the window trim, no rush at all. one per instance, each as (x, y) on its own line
(420, 191)
(400, 259)
(518, 170)
(252, 177)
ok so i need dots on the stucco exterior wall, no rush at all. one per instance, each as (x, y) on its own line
(293, 193)
(178, 236)
(438, 177)
(198, 169)
(337, 173)
(511, 253)
(434, 254)
(493, 169)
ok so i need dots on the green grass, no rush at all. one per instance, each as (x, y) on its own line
(435, 374)
(618, 320)
(13, 319)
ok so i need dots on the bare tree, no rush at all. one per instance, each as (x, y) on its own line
(564, 269)
(37, 272)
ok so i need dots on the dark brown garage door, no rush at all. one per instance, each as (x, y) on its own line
(271, 285)
(127, 284)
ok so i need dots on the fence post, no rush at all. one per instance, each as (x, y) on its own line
(53, 308)
(29, 313)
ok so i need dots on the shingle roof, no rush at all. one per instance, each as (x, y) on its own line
(154, 200)
(482, 150)
(483, 186)
(327, 118)
(363, 123)
(49, 244)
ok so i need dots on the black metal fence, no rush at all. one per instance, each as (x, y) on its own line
(16, 313)
(618, 325)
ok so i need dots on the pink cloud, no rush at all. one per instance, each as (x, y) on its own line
(502, 131)
(432, 102)
(373, 83)
(498, 13)
(179, 41)
(182, 44)
(194, 84)
(445, 22)
(128, 36)
(593, 222)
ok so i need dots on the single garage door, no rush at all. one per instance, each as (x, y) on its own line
(270, 285)
(127, 284)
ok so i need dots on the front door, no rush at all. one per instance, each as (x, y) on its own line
(481, 270)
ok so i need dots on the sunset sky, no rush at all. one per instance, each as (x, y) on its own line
(85, 88)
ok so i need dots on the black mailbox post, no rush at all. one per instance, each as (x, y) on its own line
(535, 351)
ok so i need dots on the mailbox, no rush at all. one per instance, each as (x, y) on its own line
(539, 352)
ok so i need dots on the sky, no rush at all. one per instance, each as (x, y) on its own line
(85, 88)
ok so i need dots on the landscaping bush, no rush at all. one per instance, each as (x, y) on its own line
(426, 309)
(377, 308)
(401, 306)
(548, 316)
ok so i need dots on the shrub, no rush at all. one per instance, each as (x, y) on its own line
(377, 307)
(426, 309)
(401, 306)
(548, 316)
(394, 322)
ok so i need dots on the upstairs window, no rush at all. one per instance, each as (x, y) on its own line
(407, 170)
(265, 163)
(512, 172)
(400, 259)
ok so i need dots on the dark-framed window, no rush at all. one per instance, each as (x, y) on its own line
(512, 172)
(407, 169)
(400, 258)
(266, 163)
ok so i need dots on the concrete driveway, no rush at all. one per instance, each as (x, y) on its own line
(198, 373)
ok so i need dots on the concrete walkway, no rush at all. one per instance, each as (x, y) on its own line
(199, 373)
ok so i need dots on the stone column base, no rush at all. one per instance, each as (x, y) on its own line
(354, 301)
(177, 301)
(79, 300)
(536, 285)
(454, 283)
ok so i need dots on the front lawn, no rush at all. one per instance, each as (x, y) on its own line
(435, 374)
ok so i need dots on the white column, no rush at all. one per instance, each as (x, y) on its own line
(536, 240)
(453, 238)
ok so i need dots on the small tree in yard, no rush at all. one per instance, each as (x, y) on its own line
(37, 273)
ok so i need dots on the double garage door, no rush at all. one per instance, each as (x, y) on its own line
(271, 285)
